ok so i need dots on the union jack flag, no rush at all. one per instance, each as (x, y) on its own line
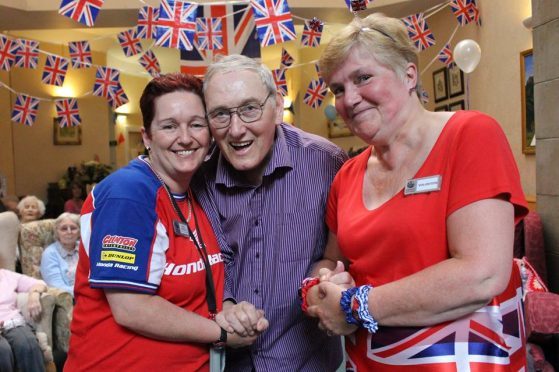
(356, 5)
(117, 97)
(8, 50)
(312, 33)
(239, 37)
(445, 55)
(286, 59)
(80, 54)
(176, 24)
(107, 80)
(130, 42)
(474, 11)
(67, 112)
(27, 55)
(315, 93)
(419, 32)
(150, 63)
(209, 33)
(82, 11)
(147, 22)
(25, 109)
(54, 71)
(281, 82)
(273, 21)
(465, 11)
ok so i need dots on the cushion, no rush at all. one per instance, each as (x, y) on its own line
(531, 281)
(34, 237)
(542, 315)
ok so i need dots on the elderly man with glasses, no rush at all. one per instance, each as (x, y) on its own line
(265, 187)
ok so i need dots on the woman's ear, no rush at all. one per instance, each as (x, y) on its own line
(411, 76)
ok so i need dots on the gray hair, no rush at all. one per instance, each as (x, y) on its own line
(237, 62)
(32, 198)
(383, 37)
(75, 218)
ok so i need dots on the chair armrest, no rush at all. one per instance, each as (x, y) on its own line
(43, 326)
(64, 304)
(542, 316)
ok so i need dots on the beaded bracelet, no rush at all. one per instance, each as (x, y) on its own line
(306, 285)
(346, 301)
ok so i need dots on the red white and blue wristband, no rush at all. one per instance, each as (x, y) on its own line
(355, 305)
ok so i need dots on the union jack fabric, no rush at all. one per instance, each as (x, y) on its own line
(107, 81)
(286, 59)
(67, 112)
(356, 5)
(274, 24)
(466, 11)
(239, 37)
(82, 11)
(25, 109)
(419, 32)
(315, 93)
(209, 34)
(445, 56)
(312, 33)
(176, 24)
(117, 97)
(150, 63)
(80, 54)
(27, 55)
(147, 22)
(280, 80)
(8, 50)
(55, 70)
(130, 42)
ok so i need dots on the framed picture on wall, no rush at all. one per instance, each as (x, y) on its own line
(66, 135)
(441, 108)
(439, 85)
(527, 94)
(455, 81)
(455, 106)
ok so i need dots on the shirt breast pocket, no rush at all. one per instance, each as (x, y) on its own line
(301, 236)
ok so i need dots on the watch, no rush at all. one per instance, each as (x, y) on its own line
(220, 344)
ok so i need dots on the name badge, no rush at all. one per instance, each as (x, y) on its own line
(181, 229)
(421, 185)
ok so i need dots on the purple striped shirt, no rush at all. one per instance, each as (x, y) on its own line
(271, 235)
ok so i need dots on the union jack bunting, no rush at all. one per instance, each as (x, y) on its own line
(8, 50)
(106, 81)
(312, 33)
(82, 11)
(130, 42)
(356, 5)
(147, 22)
(150, 63)
(54, 71)
(27, 55)
(445, 55)
(80, 54)
(281, 82)
(209, 34)
(464, 11)
(67, 112)
(273, 20)
(419, 32)
(474, 11)
(176, 24)
(286, 59)
(117, 97)
(25, 109)
(239, 37)
(315, 93)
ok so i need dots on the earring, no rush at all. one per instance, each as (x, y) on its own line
(148, 148)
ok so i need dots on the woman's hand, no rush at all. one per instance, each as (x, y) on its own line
(242, 318)
(34, 305)
(324, 303)
(337, 276)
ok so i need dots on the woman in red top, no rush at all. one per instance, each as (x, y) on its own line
(423, 220)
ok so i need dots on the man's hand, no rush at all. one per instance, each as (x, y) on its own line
(337, 276)
(242, 318)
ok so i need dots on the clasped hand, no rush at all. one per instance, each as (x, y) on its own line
(243, 323)
(324, 300)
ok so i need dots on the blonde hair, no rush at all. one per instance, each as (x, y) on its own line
(383, 37)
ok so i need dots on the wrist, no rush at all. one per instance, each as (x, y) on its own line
(221, 341)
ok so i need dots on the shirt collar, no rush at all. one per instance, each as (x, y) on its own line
(281, 158)
(63, 252)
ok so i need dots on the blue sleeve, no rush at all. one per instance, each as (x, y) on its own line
(52, 270)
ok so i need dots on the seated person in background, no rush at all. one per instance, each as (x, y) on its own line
(10, 202)
(30, 209)
(60, 259)
(74, 205)
(19, 348)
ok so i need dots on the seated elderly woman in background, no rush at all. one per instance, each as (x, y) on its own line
(60, 259)
(30, 209)
(19, 348)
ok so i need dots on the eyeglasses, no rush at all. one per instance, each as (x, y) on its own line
(68, 228)
(221, 118)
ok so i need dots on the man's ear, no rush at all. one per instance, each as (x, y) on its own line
(279, 109)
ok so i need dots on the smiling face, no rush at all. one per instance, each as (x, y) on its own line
(369, 96)
(68, 233)
(246, 146)
(179, 138)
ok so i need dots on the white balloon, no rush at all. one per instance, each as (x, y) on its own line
(467, 54)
